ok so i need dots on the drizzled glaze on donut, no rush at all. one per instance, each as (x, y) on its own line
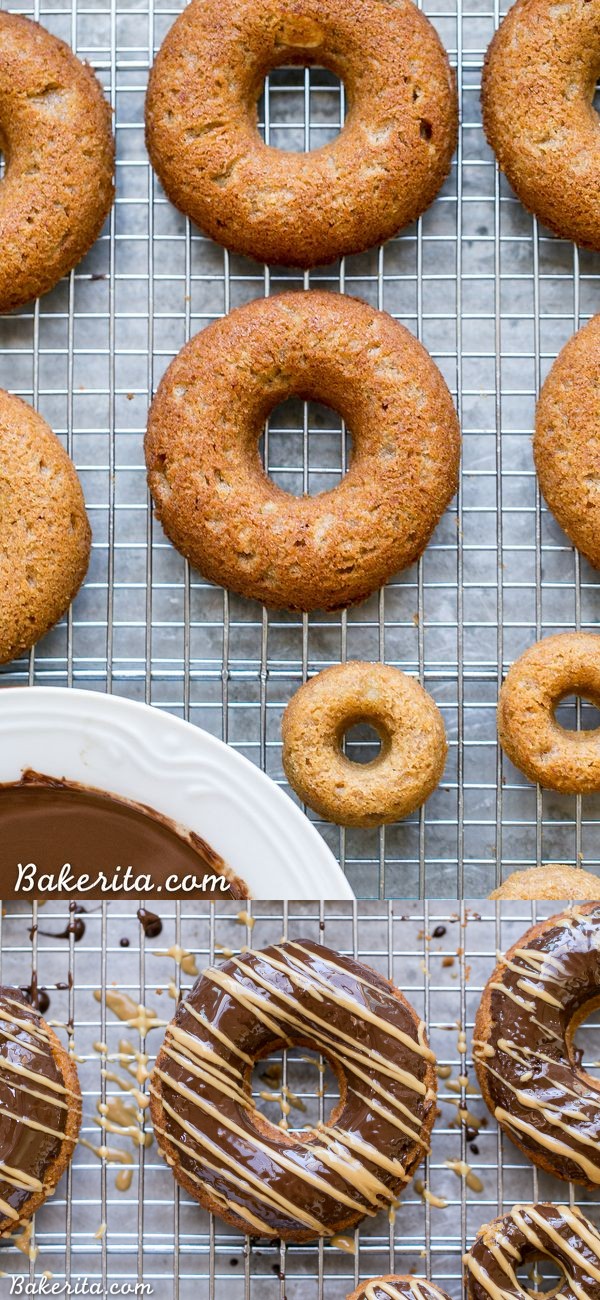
(531, 1232)
(539, 993)
(316, 1182)
(40, 1108)
(398, 1288)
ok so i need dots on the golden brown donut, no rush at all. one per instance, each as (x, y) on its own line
(301, 209)
(212, 495)
(530, 1233)
(528, 1069)
(398, 1288)
(557, 666)
(40, 1110)
(56, 138)
(264, 1180)
(553, 881)
(44, 530)
(538, 88)
(566, 445)
(413, 744)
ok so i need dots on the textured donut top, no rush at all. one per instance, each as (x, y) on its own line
(537, 1090)
(34, 1105)
(295, 993)
(400, 1288)
(532, 1231)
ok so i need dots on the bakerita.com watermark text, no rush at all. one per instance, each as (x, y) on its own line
(82, 1286)
(66, 881)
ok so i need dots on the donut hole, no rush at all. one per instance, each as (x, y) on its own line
(540, 1276)
(363, 740)
(577, 712)
(305, 448)
(301, 108)
(295, 1089)
(584, 1040)
(362, 743)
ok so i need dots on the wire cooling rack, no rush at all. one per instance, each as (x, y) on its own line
(492, 296)
(439, 957)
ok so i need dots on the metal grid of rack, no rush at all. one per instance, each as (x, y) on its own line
(492, 296)
(441, 959)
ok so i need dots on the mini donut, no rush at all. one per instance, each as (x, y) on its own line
(398, 1288)
(552, 881)
(529, 1233)
(557, 666)
(56, 138)
(40, 1110)
(523, 1049)
(44, 531)
(301, 209)
(538, 87)
(222, 511)
(566, 444)
(270, 1182)
(413, 751)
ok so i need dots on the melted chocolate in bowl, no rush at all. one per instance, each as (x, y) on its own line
(50, 823)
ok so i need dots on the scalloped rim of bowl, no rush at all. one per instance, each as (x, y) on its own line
(143, 753)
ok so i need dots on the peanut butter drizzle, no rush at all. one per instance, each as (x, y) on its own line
(402, 1288)
(34, 1104)
(134, 1014)
(182, 958)
(539, 1094)
(308, 995)
(555, 1232)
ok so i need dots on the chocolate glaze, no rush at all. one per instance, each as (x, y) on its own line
(36, 996)
(27, 1064)
(398, 1288)
(528, 1233)
(51, 822)
(151, 923)
(522, 1049)
(296, 1185)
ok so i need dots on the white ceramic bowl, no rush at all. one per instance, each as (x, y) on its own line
(141, 753)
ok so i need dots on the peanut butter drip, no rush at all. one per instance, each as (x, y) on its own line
(531, 1232)
(34, 1104)
(539, 1094)
(401, 1288)
(313, 1182)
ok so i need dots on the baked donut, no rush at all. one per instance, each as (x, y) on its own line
(413, 744)
(538, 995)
(566, 445)
(301, 209)
(538, 87)
(223, 512)
(263, 1180)
(530, 1232)
(56, 138)
(557, 666)
(44, 531)
(552, 881)
(40, 1110)
(398, 1288)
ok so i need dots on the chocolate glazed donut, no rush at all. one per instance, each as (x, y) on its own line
(263, 1180)
(539, 994)
(528, 1233)
(398, 1288)
(40, 1110)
